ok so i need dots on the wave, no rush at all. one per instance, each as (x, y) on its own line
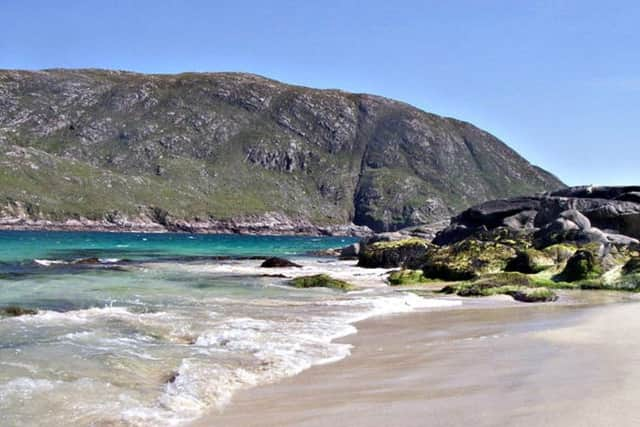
(83, 261)
(260, 351)
(213, 346)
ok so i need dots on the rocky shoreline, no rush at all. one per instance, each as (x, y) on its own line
(269, 224)
(527, 247)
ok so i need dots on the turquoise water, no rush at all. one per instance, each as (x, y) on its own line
(161, 331)
(28, 245)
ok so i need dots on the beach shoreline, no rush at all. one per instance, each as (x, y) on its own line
(487, 363)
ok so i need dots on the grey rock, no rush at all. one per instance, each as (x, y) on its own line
(521, 220)
(576, 214)
(577, 218)
(621, 239)
(350, 252)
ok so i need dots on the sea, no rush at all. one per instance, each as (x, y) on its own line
(138, 329)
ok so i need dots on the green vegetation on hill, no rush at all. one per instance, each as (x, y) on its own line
(104, 144)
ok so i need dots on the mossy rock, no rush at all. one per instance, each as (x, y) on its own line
(628, 282)
(518, 239)
(505, 279)
(530, 261)
(632, 266)
(321, 281)
(532, 295)
(399, 253)
(560, 252)
(406, 277)
(583, 265)
(15, 311)
(521, 293)
(466, 260)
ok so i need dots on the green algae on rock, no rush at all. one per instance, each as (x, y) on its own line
(395, 253)
(407, 277)
(530, 261)
(583, 265)
(517, 285)
(321, 281)
(632, 266)
(466, 260)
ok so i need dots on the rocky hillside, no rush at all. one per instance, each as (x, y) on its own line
(236, 152)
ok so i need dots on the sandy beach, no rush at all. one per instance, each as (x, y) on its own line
(486, 364)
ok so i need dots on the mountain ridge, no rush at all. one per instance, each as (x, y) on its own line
(112, 147)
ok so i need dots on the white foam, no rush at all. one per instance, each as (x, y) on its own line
(24, 387)
(240, 341)
(280, 349)
(85, 316)
(49, 262)
(109, 260)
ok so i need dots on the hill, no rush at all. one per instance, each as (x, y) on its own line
(236, 152)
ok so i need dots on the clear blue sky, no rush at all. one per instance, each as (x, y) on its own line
(559, 81)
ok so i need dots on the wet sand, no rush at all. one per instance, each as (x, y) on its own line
(528, 365)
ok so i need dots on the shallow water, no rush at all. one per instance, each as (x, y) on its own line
(168, 334)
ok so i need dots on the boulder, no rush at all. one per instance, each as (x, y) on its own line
(563, 231)
(275, 262)
(407, 253)
(583, 265)
(350, 252)
(632, 266)
(632, 196)
(560, 252)
(466, 260)
(530, 261)
(533, 295)
(621, 239)
(595, 192)
(581, 221)
(568, 213)
(524, 220)
(406, 277)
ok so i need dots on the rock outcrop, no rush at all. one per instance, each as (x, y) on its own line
(583, 237)
(230, 152)
(578, 214)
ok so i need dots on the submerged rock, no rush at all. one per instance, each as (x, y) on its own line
(171, 377)
(321, 281)
(275, 262)
(91, 260)
(15, 311)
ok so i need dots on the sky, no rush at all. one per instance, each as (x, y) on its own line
(559, 81)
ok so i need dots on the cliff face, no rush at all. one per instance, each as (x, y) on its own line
(119, 147)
